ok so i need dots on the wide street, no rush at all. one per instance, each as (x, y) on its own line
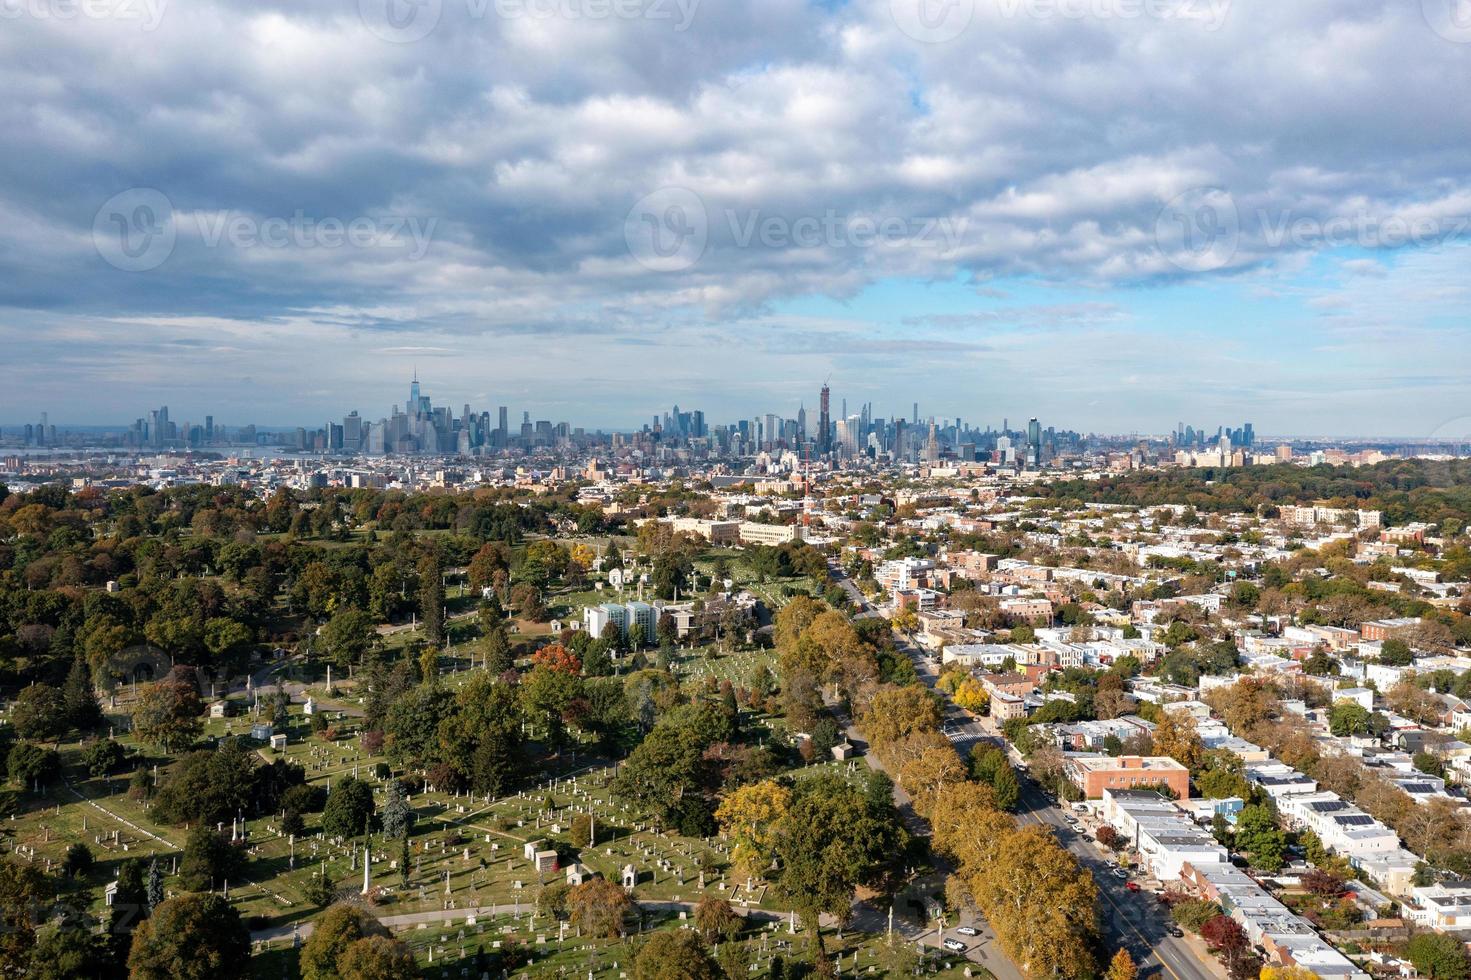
(1133, 920)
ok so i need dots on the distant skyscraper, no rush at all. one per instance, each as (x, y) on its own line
(824, 421)
(1034, 444)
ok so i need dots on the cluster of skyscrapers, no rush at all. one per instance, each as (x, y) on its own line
(418, 427)
(1187, 436)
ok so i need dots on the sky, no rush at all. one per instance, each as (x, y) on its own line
(1115, 215)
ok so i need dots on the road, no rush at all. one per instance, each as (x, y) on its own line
(1131, 920)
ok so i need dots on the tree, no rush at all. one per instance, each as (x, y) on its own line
(1006, 788)
(1323, 883)
(103, 757)
(1347, 718)
(1121, 967)
(64, 950)
(1257, 835)
(30, 765)
(674, 955)
(347, 636)
(334, 932)
(1396, 653)
(167, 715)
(749, 817)
(377, 958)
(153, 889)
(598, 907)
(39, 713)
(398, 816)
(495, 647)
(1224, 935)
(716, 920)
(431, 599)
(1438, 956)
(78, 861)
(349, 808)
(191, 937)
(82, 708)
(830, 841)
(1293, 972)
(1176, 737)
(894, 712)
(23, 890)
(924, 775)
(209, 860)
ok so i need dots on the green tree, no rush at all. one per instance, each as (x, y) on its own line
(31, 765)
(82, 707)
(1438, 956)
(349, 809)
(66, 949)
(496, 649)
(167, 715)
(40, 713)
(431, 599)
(209, 860)
(830, 841)
(191, 937)
(1257, 835)
(347, 636)
(398, 816)
(23, 890)
(675, 955)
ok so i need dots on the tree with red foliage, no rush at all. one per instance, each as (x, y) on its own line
(1108, 837)
(556, 657)
(1323, 883)
(1224, 934)
(1226, 937)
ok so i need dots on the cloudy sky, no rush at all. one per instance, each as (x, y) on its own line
(1112, 214)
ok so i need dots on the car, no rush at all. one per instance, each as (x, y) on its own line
(955, 945)
(1120, 873)
(1133, 886)
(1175, 931)
(968, 931)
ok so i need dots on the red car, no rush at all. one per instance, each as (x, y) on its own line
(1133, 886)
